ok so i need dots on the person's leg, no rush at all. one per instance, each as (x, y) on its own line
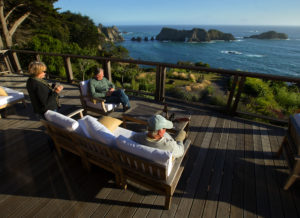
(119, 96)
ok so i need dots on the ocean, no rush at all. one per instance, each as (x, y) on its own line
(277, 57)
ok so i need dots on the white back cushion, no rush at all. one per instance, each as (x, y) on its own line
(124, 132)
(156, 155)
(95, 130)
(83, 126)
(62, 121)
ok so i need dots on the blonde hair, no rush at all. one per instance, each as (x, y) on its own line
(36, 67)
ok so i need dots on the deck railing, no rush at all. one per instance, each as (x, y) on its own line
(10, 58)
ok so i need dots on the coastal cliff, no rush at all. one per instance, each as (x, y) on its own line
(194, 35)
(269, 35)
(111, 34)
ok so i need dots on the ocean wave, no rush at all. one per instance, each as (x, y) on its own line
(254, 55)
(238, 40)
(232, 52)
(210, 42)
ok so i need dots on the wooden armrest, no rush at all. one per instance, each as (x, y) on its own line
(78, 111)
(95, 100)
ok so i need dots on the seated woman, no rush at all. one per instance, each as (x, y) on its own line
(43, 97)
(101, 87)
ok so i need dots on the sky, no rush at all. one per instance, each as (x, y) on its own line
(186, 12)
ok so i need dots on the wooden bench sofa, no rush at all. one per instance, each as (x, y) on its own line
(126, 166)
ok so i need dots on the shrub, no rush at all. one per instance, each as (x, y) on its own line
(256, 87)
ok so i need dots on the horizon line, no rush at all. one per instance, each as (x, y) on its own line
(278, 25)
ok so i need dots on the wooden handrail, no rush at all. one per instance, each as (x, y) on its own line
(14, 66)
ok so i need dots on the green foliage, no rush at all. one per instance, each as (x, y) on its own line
(82, 29)
(180, 93)
(55, 65)
(125, 74)
(271, 98)
(256, 87)
(201, 64)
(109, 49)
(288, 99)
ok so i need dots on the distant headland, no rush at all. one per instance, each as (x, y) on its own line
(194, 35)
(269, 35)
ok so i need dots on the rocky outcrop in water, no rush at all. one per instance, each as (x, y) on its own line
(194, 35)
(111, 34)
(269, 35)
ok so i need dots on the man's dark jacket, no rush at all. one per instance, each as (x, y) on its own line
(42, 96)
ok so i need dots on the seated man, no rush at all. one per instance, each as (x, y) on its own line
(157, 137)
(101, 87)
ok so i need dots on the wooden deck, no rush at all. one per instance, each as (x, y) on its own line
(230, 171)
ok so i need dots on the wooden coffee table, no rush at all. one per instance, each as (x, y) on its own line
(141, 113)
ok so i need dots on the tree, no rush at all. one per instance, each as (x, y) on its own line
(14, 12)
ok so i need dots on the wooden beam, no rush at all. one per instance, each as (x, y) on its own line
(107, 69)
(15, 62)
(163, 72)
(238, 95)
(68, 67)
(38, 57)
(158, 83)
(234, 82)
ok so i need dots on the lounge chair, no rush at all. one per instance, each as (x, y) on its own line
(89, 103)
(291, 146)
(9, 97)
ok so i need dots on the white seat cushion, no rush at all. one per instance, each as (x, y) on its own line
(13, 95)
(98, 105)
(4, 100)
(156, 155)
(62, 121)
(95, 130)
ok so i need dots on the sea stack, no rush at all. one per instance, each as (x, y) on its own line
(194, 35)
(269, 35)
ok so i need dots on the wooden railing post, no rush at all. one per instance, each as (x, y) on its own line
(158, 83)
(7, 62)
(16, 67)
(234, 82)
(238, 95)
(107, 69)
(163, 72)
(68, 67)
(38, 57)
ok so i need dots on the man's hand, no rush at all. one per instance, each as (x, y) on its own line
(110, 91)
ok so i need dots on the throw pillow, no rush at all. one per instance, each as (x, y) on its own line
(110, 122)
(98, 132)
(62, 120)
(3, 92)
